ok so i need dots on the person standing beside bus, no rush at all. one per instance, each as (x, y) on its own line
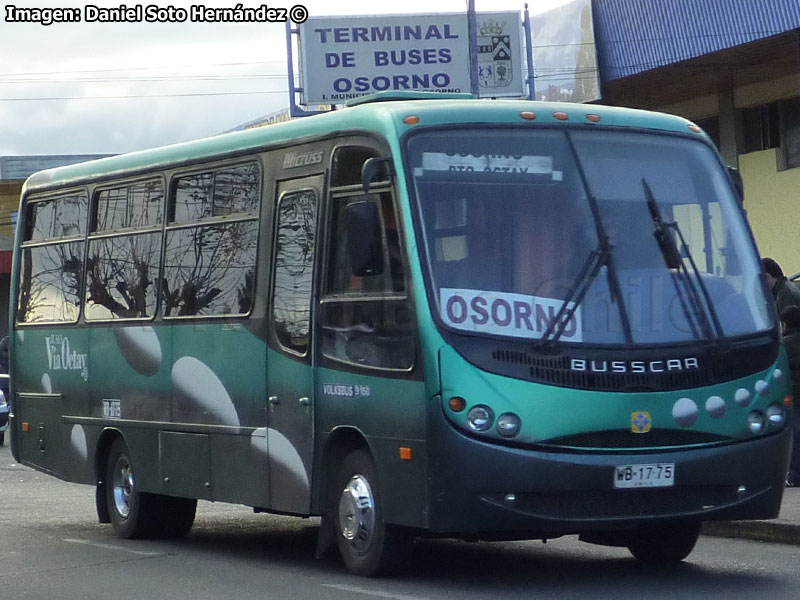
(783, 291)
(790, 317)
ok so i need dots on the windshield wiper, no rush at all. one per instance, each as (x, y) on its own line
(601, 256)
(697, 312)
(598, 258)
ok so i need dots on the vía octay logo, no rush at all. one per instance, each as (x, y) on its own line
(61, 358)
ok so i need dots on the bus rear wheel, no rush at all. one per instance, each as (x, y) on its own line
(136, 514)
(664, 544)
(367, 544)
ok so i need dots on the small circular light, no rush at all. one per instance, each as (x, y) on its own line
(561, 116)
(527, 115)
(411, 120)
(508, 425)
(742, 397)
(457, 404)
(788, 401)
(480, 418)
(695, 128)
(755, 422)
(777, 374)
(776, 415)
(762, 387)
(593, 118)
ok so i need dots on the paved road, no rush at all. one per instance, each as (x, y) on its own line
(52, 547)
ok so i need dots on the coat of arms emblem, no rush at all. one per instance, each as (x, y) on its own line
(494, 55)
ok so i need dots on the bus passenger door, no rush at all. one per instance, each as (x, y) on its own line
(290, 372)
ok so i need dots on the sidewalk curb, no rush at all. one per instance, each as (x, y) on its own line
(765, 531)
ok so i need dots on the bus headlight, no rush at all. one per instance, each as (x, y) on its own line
(755, 422)
(508, 425)
(480, 418)
(776, 415)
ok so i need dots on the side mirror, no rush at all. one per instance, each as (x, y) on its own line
(376, 169)
(364, 238)
(738, 184)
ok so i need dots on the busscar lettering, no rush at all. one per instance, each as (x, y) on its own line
(634, 366)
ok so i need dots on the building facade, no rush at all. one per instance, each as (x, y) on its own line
(733, 67)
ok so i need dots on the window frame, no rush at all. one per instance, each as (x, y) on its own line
(95, 235)
(28, 243)
(169, 225)
(333, 196)
(319, 197)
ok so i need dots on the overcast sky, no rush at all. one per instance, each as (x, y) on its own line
(86, 88)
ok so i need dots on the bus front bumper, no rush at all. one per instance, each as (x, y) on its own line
(488, 489)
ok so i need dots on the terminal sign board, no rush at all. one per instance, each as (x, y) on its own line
(344, 58)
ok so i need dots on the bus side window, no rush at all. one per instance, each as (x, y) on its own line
(366, 320)
(122, 269)
(211, 243)
(51, 271)
(294, 270)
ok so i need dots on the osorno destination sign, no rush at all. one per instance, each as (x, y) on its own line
(346, 57)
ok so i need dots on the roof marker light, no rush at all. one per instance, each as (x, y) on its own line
(695, 128)
(593, 118)
(411, 120)
(527, 115)
(561, 116)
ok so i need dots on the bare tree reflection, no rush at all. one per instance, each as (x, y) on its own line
(294, 267)
(119, 281)
(207, 269)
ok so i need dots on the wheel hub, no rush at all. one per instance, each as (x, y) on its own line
(123, 487)
(357, 513)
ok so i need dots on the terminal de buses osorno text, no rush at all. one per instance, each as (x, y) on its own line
(417, 315)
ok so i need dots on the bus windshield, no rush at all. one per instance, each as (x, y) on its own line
(516, 223)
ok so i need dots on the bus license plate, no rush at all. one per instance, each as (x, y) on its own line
(648, 475)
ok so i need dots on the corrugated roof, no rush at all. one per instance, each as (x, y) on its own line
(21, 167)
(637, 35)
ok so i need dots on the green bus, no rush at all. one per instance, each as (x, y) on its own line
(422, 314)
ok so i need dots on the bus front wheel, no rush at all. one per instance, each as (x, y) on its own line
(664, 544)
(367, 544)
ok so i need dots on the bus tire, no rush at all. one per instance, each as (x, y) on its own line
(664, 544)
(2, 437)
(133, 514)
(177, 516)
(367, 544)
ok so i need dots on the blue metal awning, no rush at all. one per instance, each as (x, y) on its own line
(633, 36)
